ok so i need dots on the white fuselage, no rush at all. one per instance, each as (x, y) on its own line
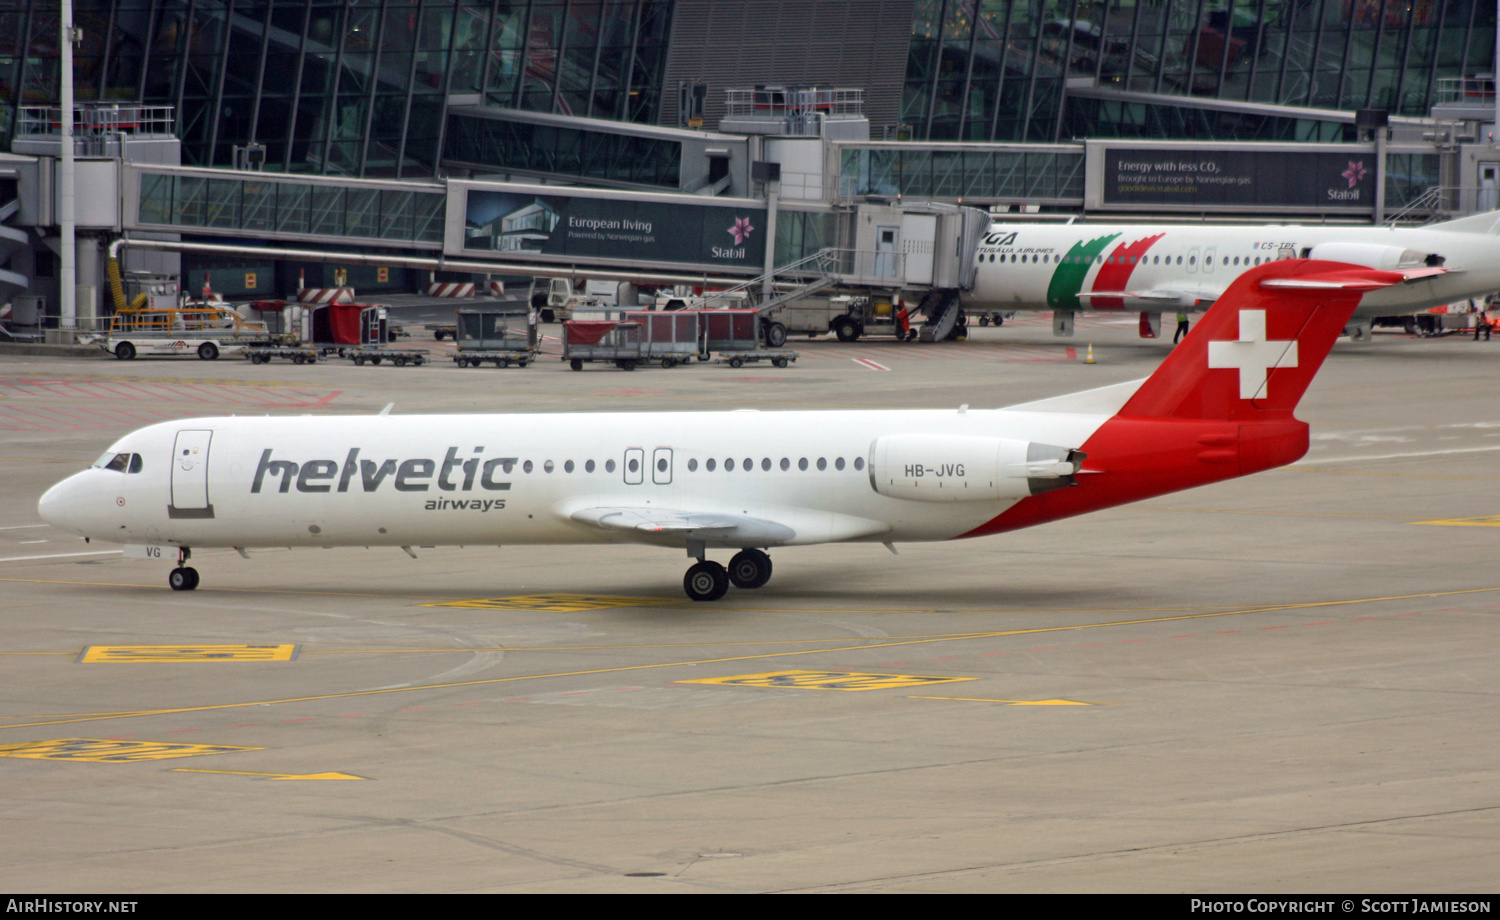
(505, 479)
(1186, 267)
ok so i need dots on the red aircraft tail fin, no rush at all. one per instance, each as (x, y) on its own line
(1253, 354)
(1220, 406)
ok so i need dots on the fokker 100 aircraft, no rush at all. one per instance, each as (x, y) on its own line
(1218, 407)
(1171, 268)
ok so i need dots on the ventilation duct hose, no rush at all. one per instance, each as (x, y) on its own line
(117, 286)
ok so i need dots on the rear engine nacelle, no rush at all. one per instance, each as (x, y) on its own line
(1374, 255)
(957, 468)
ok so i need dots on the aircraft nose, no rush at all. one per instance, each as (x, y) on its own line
(59, 506)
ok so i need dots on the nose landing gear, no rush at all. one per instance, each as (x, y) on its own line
(184, 577)
(708, 581)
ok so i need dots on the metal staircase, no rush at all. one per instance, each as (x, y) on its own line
(786, 283)
(942, 310)
(1429, 207)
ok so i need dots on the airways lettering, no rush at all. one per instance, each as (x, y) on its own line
(410, 475)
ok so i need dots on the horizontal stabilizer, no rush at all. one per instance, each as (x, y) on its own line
(1360, 281)
(1419, 274)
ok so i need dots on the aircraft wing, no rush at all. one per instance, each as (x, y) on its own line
(653, 524)
(1190, 297)
(1172, 296)
(779, 525)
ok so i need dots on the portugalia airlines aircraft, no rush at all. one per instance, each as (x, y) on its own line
(1172, 268)
(1220, 406)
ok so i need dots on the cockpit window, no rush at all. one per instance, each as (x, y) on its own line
(120, 463)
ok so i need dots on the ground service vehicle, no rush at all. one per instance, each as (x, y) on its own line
(200, 329)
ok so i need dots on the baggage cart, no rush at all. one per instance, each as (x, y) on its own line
(501, 337)
(669, 339)
(730, 330)
(616, 342)
(734, 336)
(297, 354)
(777, 356)
(375, 354)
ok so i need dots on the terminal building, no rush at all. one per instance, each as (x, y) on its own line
(367, 127)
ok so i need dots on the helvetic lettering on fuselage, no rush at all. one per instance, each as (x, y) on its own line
(414, 475)
(1220, 406)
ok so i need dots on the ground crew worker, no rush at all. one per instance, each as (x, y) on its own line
(1182, 327)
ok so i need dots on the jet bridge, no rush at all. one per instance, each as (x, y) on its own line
(782, 249)
(544, 230)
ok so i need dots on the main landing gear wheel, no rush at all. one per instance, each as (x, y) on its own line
(183, 578)
(750, 568)
(705, 581)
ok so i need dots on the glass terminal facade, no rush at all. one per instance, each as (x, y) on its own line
(356, 87)
(1009, 69)
(361, 87)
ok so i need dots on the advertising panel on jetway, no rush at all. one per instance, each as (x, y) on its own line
(1203, 178)
(521, 224)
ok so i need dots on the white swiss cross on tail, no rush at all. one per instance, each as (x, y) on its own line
(1252, 354)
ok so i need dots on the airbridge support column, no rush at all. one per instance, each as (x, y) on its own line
(770, 174)
(89, 265)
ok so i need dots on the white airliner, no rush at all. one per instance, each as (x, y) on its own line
(1220, 406)
(1170, 268)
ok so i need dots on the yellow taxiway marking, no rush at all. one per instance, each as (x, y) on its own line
(1492, 520)
(557, 603)
(99, 654)
(99, 750)
(274, 775)
(976, 699)
(64, 719)
(826, 680)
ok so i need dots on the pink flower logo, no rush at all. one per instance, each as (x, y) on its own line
(1354, 173)
(741, 230)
